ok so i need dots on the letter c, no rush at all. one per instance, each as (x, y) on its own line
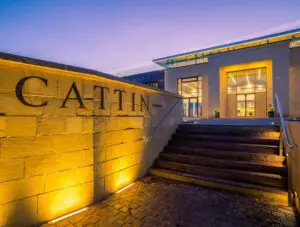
(19, 91)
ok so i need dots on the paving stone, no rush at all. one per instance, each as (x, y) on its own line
(154, 201)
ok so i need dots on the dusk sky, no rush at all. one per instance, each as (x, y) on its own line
(115, 35)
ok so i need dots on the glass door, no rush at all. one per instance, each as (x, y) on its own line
(250, 105)
(246, 105)
(186, 107)
(191, 107)
(190, 89)
(241, 105)
(249, 86)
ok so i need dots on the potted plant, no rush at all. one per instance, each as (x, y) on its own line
(271, 112)
(217, 113)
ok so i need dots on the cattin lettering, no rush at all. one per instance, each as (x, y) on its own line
(103, 92)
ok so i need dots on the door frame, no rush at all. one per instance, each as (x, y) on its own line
(245, 66)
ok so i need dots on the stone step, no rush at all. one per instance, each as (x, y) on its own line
(250, 128)
(268, 194)
(249, 131)
(224, 163)
(226, 138)
(268, 159)
(257, 148)
(274, 180)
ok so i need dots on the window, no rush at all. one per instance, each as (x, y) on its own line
(153, 84)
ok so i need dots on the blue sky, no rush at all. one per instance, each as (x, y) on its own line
(117, 35)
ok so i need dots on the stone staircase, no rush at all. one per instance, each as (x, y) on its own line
(243, 159)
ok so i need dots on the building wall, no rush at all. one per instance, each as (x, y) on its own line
(294, 91)
(55, 160)
(278, 53)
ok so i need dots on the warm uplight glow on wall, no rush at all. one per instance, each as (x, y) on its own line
(68, 215)
(64, 202)
(122, 180)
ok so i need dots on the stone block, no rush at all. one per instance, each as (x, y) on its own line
(72, 142)
(11, 106)
(99, 189)
(85, 174)
(99, 154)
(20, 126)
(11, 169)
(3, 216)
(57, 162)
(126, 161)
(2, 126)
(65, 83)
(51, 125)
(23, 212)
(132, 135)
(120, 179)
(120, 123)
(9, 77)
(88, 124)
(60, 180)
(35, 86)
(107, 138)
(25, 146)
(18, 189)
(106, 168)
(74, 124)
(88, 89)
(89, 109)
(116, 151)
(54, 107)
(138, 146)
(58, 203)
(64, 179)
(99, 124)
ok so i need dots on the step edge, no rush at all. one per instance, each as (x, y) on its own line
(250, 173)
(273, 190)
(220, 159)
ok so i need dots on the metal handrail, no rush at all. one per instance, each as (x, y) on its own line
(283, 124)
(163, 119)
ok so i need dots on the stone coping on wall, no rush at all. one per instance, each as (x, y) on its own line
(76, 69)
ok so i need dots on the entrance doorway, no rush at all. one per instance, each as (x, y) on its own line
(246, 93)
(191, 107)
(191, 90)
(246, 105)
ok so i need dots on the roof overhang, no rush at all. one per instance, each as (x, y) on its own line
(199, 56)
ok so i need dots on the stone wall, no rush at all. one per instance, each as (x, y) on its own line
(293, 128)
(64, 144)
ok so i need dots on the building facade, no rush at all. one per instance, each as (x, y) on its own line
(154, 78)
(238, 80)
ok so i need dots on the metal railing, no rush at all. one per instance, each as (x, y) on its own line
(283, 124)
(164, 117)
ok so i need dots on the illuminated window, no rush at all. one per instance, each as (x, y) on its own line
(191, 90)
(246, 84)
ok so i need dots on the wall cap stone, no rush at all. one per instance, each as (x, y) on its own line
(70, 68)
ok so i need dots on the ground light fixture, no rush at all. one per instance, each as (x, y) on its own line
(85, 208)
(126, 187)
(68, 215)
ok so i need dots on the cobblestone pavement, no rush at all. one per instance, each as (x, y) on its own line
(154, 201)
